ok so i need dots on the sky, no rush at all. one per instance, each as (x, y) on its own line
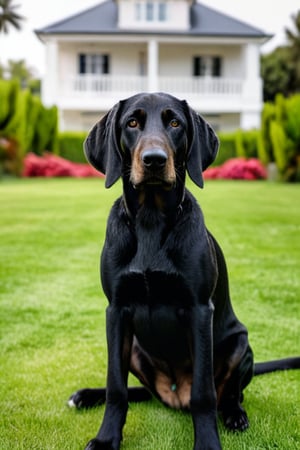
(269, 15)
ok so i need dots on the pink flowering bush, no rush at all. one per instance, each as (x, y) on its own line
(238, 169)
(50, 165)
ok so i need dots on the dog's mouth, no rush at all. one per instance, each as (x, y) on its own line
(154, 182)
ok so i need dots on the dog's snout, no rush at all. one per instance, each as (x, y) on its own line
(154, 158)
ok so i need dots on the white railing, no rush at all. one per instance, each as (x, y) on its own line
(110, 84)
(101, 84)
(202, 85)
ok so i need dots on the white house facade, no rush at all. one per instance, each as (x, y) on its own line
(121, 47)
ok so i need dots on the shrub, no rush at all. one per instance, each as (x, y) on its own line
(25, 122)
(284, 150)
(238, 169)
(227, 148)
(280, 136)
(50, 165)
(17, 124)
(70, 145)
(265, 144)
(46, 132)
(247, 143)
(8, 93)
(10, 162)
(292, 122)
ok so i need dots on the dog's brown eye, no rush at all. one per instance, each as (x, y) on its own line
(174, 123)
(132, 123)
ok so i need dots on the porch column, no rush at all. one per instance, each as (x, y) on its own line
(252, 100)
(153, 66)
(50, 84)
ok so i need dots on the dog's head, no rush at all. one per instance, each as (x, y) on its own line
(151, 139)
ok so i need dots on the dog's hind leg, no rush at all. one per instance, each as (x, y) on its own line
(234, 415)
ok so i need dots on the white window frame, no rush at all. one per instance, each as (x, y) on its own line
(151, 11)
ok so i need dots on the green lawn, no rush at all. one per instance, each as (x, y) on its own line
(52, 312)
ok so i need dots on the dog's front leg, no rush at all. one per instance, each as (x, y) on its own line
(119, 339)
(203, 396)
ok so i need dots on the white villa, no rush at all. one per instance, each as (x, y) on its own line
(121, 47)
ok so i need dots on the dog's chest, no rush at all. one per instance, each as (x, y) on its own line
(160, 303)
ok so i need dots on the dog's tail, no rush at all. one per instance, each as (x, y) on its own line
(278, 364)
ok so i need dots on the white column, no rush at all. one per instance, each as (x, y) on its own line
(153, 65)
(252, 88)
(251, 60)
(50, 93)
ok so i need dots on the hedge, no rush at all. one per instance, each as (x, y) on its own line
(280, 135)
(70, 145)
(8, 94)
(227, 148)
(25, 125)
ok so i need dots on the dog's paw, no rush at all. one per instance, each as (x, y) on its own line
(236, 420)
(94, 444)
(87, 398)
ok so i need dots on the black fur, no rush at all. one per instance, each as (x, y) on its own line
(170, 320)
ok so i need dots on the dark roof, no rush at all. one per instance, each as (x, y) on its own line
(103, 19)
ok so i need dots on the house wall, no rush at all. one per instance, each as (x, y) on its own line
(80, 110)
(173, 60)
(79, 120)
(178, 60)
(178, 16)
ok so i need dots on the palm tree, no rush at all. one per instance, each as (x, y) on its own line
(293, 37)
(8, 16)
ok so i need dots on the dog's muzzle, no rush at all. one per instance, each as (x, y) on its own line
(154, 159)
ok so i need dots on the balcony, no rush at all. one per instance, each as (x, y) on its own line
(96, 92)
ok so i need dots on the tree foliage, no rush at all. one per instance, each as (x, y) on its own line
(9, 16)
(18, 70)
(280, 69)
(293, 37)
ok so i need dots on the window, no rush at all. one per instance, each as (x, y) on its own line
(162, 12)
(151, 11)
(207, 66)
(93, 63)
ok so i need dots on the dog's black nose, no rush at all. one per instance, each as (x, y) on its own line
(154, 158)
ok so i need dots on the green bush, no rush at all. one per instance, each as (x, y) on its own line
(262, 152)
(280, 136)
(16, 126)
(25, 123)
(34, 106)
(250, 141)
(8, 93)
(265, 143)
(46, 132)
(292, 122)
(70, 145)
(227, 148)
(239, 143)
(283, 149)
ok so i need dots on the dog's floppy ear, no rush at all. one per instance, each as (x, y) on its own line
(101, 147)
(203, 148)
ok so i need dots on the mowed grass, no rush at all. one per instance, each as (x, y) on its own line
(52, 312)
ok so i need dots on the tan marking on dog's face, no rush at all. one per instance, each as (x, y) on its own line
(139, 174)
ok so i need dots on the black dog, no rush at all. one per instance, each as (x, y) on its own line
(170, 320)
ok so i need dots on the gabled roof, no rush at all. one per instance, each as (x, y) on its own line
(103, 19)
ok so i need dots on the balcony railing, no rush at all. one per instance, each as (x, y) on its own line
(101, 85)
